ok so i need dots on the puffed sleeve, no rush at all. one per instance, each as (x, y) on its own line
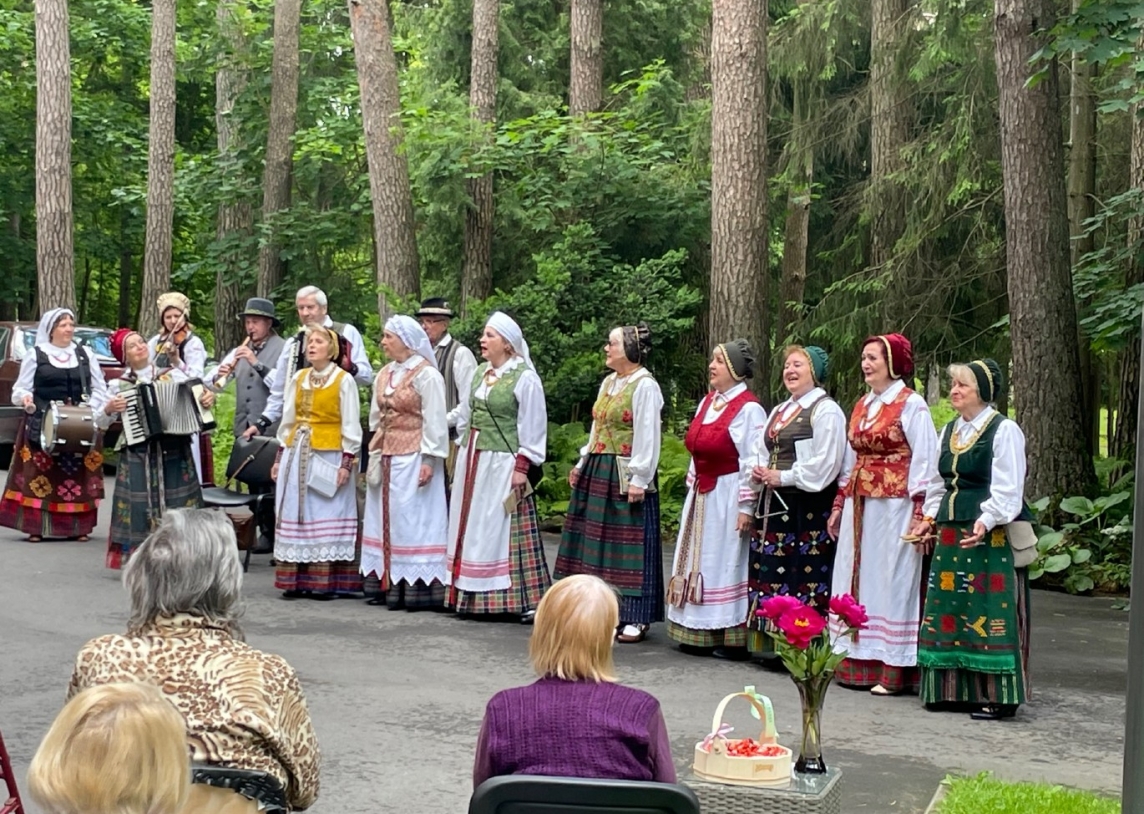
(936, 489)
(690, 481)
(745, 429)
(430, 385)
(647, 404)
(374, 407)
(274, 402)
(98, 397)
(464, 410)
(103, 419)
(531, 418)
(194, 359)
(1007, 484)
(584, 450)
(298, 746)
(360, 358)
(819, 458)
(464, 366)
(922, 438)
(26, 380)
(351, 415)
(289, 412)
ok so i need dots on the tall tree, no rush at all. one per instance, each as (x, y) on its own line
(796, 233)
(279, 138)
(477, 266)
(586, 88)
(1123, 443)
(1041, 305)
(54, 247)
(160, 165)
(395, 241)
(889, 126)
(738, 292)
(235, 217)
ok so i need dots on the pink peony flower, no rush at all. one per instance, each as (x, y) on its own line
(776, 606)
(800, 625)
(847, 609)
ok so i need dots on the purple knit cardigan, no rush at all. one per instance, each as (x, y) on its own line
(574, 729)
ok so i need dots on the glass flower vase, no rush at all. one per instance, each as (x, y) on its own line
(812, 694)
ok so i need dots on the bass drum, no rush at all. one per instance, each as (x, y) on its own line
(68, 428)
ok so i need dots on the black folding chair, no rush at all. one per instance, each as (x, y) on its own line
(533, 794)
(250, 463)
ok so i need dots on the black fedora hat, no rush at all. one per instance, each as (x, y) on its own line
(260, 307)
(435, 307)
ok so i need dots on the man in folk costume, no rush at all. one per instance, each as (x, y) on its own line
(253, 365)
(456, 363)
(707, 593)
(313, 309)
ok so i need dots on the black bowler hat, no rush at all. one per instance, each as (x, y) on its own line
(435, 307)
(260, 307)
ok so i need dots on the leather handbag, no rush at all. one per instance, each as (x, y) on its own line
(1023, 541)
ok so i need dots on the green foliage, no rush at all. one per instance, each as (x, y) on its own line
(984, 793)
(1091, 550)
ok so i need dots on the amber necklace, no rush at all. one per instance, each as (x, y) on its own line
(780, 423)
(317, 379)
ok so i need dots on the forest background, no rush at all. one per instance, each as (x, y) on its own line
(967, 172)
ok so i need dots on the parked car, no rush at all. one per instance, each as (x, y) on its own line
(16, 341)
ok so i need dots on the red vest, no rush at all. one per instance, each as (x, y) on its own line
(712, 449)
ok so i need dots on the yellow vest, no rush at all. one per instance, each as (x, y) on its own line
(320, 410)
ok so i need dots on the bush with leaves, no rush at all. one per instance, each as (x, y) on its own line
(1093, 550)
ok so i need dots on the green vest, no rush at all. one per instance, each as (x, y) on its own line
(613, 430)
(968, 473)
(494, 416)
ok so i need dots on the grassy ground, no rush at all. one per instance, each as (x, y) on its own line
(223, 438)
(984, 794)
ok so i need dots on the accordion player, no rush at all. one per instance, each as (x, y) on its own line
(165, 408)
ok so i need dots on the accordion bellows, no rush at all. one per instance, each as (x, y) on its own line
(164, 408)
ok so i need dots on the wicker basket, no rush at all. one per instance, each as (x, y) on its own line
(712, 761)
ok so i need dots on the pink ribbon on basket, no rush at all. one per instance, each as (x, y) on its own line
(723, 731)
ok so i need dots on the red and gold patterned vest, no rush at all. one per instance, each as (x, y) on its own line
(399, 428)
(883, 466)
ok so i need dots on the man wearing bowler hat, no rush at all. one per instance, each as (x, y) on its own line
(253, 363)
(456, 362)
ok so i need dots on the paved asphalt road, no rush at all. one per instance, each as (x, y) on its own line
(397, 698)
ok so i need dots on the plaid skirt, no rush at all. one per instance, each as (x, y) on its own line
(149, 479)
(343, 577)
(51, 495)
(529, 571)
(725, 637)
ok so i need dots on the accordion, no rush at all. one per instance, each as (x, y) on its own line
(165, 408)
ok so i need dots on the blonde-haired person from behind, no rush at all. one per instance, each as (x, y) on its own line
(575, 720)
(113, 749)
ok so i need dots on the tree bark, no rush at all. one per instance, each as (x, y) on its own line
(797, 233)
(235, 217)
(477, 266)
(394, 233)
(586, 86)
(889, 127)
(1041, 304)
(738, 297)
(1082, 206)
(55, 258)
(160, 166)
(279, 139)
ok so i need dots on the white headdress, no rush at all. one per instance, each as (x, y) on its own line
(413, 336)
(506, 326)
(48, 321)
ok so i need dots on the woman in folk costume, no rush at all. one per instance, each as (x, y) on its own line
(54, 495)
(891, 461)
(152, 476)
(406, 526)
(612, 526)
(797, 458)
(496, 559)
(973, 648)
(316, 539)
(178, 347)
(707, 592)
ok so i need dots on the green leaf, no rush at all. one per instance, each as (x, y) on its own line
(1049, 541)
(1057, 563)
(1081, 555)
(1077, 505)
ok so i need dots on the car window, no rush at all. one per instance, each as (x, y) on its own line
(5, 336)
(98, 339)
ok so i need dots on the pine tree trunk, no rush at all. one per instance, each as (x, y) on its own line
(235, 217)
(477, 266)
(1082, 206)
(160, 165)
(890, 115)
(738, 296)
(1046, 365)
(55, 260)
(279, 138)
(1122, 443)
(586, 88)
(398, 266)
(797, 233)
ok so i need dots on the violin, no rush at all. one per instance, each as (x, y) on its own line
(170, 342)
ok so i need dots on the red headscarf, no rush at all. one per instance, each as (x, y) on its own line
(899, 354)
(118, 340)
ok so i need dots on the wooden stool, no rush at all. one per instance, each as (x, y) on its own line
(12, 804)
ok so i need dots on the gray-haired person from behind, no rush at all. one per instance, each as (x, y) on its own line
(244, 708)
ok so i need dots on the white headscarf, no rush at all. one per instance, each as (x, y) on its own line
(48, 321)
(506, 326)
(413, 336)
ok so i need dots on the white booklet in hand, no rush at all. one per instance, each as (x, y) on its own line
(322, 477)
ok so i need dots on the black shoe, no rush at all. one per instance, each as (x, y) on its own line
(994, 712)
(528, 617)
(324, 597)
(731, 653)
(696, 650)
(291, 594)
(376, 600)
